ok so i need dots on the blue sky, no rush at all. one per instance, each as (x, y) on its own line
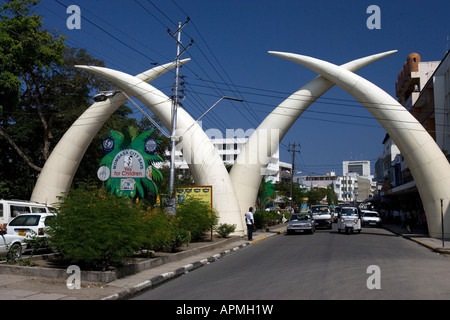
(229, 58)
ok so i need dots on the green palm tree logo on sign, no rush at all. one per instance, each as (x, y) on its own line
(128, 167)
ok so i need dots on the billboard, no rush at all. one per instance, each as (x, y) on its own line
(203, 193)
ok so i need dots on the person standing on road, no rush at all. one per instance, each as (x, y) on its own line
(249, 220)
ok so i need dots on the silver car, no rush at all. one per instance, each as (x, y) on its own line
(12, 246)
(300, 223)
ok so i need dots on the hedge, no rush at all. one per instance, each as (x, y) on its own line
(96, 230)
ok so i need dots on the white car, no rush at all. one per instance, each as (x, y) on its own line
(12, 246)
(371, 218)
(29, 225)
(322, 216)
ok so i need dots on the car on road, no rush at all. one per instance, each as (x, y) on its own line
(32, 226)
(349, 220)
(370, 218)
(300, 223)
(322, 216)
(12, 246)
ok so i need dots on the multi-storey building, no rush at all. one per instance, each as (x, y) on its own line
(423, 88)
(353, 186)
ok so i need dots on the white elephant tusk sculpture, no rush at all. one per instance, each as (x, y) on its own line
(428, 164)
(198, 148)
(248, 169)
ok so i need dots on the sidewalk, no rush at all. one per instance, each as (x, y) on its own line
(418, 235)
(26, 287)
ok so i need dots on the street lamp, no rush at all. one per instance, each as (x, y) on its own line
(104, 95)
(223, 98)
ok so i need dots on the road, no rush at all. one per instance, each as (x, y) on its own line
(375, 264)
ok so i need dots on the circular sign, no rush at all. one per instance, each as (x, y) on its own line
(150, 145)
(108, 144)
(128, 163)
(103, 173)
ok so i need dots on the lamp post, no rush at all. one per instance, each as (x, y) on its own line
(226, 98)
(104, 95)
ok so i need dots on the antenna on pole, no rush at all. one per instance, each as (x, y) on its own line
(175, 102)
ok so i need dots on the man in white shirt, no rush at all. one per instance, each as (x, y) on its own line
(250, 222)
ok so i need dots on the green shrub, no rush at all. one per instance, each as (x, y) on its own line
(162, 231)
(267, 218)
(224, 229)
(159, 229)
(95, 229)
(196, 217)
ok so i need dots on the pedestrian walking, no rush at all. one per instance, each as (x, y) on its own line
(249, 220)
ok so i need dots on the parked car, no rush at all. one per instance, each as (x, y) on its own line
(12, 246)
(299, 223)
(349, 220)
(10, 209)
(370, 218)
(322, 216)
(30, 225)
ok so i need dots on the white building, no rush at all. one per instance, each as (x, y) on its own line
(349, 188)
(228, 149)
(361, 168)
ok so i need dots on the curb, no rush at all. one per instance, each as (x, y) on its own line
(422, 243)
(432, 248)
(157, 280)
(268, 236)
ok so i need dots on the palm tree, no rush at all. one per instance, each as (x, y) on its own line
(132, 140)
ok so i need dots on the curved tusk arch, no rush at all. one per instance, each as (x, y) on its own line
(253, 159)
(60, 168)
(429, 166)
(203, 159)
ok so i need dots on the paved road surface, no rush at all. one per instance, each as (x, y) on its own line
(326, 265)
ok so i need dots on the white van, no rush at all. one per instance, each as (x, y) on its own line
(10, 209)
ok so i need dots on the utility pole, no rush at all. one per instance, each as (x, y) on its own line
(292, 149)
(177, 36)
